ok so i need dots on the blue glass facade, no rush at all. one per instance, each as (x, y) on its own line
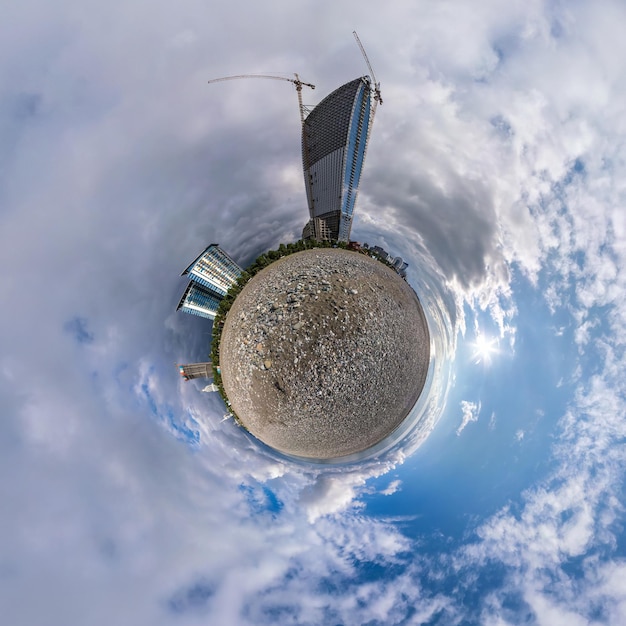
(198, 300)
(212, 274)
(355, 156)
(214, 269)
(334, 142)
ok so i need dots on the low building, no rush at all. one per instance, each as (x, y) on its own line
(381, 252)
(196, 370)
(398, 263)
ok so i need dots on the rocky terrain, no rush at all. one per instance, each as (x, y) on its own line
(324, 353)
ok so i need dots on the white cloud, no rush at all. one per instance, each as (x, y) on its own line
(393, 487)
(498, 155)
(330, 494)
(471, 411)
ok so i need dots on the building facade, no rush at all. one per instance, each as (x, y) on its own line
(196, 370)
(198, 300)
(212, 274)
(214, 269)
(398, 263)
(334, 142)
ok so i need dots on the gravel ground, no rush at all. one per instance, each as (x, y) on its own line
(324, 353)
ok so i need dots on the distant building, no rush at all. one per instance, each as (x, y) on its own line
(398, 263)
(212, 274)
(196, 370)
(334, 141)
(381, 252)
(198, 300)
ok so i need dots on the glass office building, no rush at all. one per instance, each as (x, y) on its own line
(199, 300)
(214, 269)
(334, 141)
(212, 274)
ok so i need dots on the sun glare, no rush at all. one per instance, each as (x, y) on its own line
(485, 348)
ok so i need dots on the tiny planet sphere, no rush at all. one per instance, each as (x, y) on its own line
(324, 353)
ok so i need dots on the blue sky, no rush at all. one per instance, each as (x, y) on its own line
(495, 168)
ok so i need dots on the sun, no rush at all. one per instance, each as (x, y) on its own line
(485, 348)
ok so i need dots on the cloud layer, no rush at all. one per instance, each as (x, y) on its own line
(497, 159)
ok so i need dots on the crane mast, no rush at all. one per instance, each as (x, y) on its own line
(378, 99)
(298, 83)
(377, 95)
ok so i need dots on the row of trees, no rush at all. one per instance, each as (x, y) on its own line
(267, 258)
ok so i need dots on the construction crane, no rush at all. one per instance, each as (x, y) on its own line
(296, 81)
(377, 97)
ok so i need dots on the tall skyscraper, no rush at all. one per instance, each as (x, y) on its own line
(212, 273)
(198, 300)
(214, 269)
(334, 141)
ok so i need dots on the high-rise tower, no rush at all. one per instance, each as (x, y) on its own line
(212, 274)
(334, 141)
(198, 300)
(214, 269)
